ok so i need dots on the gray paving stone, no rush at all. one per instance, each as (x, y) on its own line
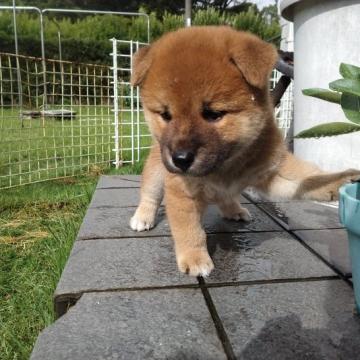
(307, 320)
(261, 256)
(115, 197)
(96, 265)
(256, 197)
(214, 223)
(110, 222)
(332, 245)
(104, 223)
(301, 215)
(119, 181)
(119, 197)
(117, 192)
(161, 324)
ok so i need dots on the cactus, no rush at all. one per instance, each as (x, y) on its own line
(346, 93)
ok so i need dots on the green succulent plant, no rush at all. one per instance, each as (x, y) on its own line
(346, 93)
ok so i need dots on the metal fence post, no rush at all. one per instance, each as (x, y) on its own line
(43, 58)
(18, 71)
(132, 107)
(188, 5)
(137, 108)
(115, 103)
(148, 28)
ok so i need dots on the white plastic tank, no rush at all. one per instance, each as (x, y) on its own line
(326, 33)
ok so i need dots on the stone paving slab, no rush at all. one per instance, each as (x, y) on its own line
(214, 223)
(123, 197)
(258, 198)
(96, 265)
(104, 223)
(119, 181)
(114, 223)
(332, 245)
(130, 302)
(301, 215)
(305, 320)
(115, 197)
(161, 324)
(261, 256)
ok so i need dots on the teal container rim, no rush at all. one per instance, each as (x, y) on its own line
(349, 205)
(344, 191)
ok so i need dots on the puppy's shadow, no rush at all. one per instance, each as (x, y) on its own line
(289, 334)
(285, 338)
(160, 216)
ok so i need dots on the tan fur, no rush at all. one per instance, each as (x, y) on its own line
(184, 73)
(152, 192)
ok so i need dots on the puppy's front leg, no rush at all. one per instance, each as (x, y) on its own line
(152, 191)
(184, 213)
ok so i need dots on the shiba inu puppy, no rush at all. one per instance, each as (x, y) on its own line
(206, 99)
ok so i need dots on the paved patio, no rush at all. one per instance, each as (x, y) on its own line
(281, 288)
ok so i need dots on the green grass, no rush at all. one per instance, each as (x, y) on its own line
(38, 224)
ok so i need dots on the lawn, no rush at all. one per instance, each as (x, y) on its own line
(38, 224)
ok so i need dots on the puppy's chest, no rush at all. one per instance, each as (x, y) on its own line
(219, 191)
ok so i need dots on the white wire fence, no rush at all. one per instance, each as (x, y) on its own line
(69, 118)
(131, 134)
(57, 123)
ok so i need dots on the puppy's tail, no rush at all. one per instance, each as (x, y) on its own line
(298, 179)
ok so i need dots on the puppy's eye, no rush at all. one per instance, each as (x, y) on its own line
(166, 115)
(212, 115)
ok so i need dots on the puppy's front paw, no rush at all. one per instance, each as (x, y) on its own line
(143, 219)
(240, 214)
(195, 263)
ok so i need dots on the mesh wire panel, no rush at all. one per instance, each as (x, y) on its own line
(132, 137)
(55, 119)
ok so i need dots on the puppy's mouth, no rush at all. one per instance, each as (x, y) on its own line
(188, 163)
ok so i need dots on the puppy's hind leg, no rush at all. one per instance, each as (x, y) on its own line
(152, 192)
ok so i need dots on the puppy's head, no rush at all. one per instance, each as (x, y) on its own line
(205, 95)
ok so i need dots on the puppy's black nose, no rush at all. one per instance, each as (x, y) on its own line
(183, 159)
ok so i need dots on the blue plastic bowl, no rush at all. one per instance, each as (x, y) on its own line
(349, 211)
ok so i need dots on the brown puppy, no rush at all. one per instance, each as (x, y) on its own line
(206, 99)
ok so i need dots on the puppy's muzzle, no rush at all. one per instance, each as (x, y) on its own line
(183, 159)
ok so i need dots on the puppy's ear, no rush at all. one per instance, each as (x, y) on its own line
(140, 66)
(254, 58)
